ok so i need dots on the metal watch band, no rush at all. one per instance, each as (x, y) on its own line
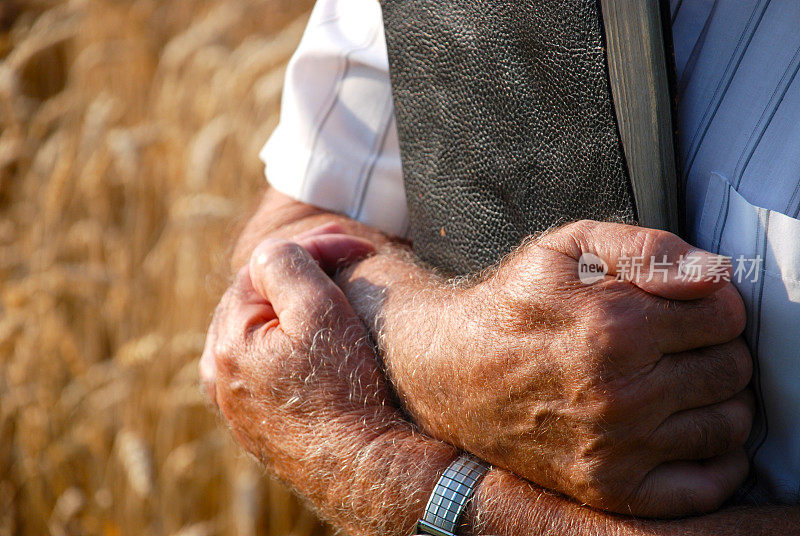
(451, 495)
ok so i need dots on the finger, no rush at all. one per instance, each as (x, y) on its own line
(333, 251)
(287, 276)
(656, 261)
(704, 433)
(246, 308)
(679, 326)
(701, 377)
(331, 227)
(240, 309)
(331, 246)
(685, 488)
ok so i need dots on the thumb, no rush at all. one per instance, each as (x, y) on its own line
(656, 261)
(291, 280)
(332, 251)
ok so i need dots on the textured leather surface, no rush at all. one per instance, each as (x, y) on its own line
(506, 123)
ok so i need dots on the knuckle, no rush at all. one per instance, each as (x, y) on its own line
(592, 452)
(574, 237)
(277, 249)
(642, 500)
(602, 484)
(579, 228)
(603, 408)
(207, 373)
(694, 501)
(611, 324)
(280, 255)
(742, 364)
(656, 243)
(718, 371)
(207, 365)
(731, 366)
(740, 432)
(723, 429)
(742, 413)
(717, 436)
(731, 311)
(710, 502)
(722, 314)
(277, 258)
(608, 407)
(719, 488)
(601, 318)
(225, 351)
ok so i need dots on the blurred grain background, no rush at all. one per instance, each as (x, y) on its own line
(129, 133)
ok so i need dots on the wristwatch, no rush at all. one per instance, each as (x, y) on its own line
(451, 495)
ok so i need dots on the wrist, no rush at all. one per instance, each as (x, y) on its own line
(401, 303)
(279, 216)
(451, 494)
(414, 317)
(505, 504)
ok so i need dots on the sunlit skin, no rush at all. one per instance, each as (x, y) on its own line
(627, 395)
(359, 462)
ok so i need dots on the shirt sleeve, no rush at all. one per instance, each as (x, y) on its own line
(336, 144)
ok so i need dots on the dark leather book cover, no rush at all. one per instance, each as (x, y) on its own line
(506, 122)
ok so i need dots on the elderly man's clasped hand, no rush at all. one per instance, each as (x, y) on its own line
(628, 395)
(292, 370)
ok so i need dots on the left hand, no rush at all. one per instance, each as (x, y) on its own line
(326, 245)
(292, 370)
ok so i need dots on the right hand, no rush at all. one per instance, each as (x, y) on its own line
(627, 395)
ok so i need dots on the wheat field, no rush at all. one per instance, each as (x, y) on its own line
(129, 133)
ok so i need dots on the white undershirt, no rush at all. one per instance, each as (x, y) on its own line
(336, 144)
